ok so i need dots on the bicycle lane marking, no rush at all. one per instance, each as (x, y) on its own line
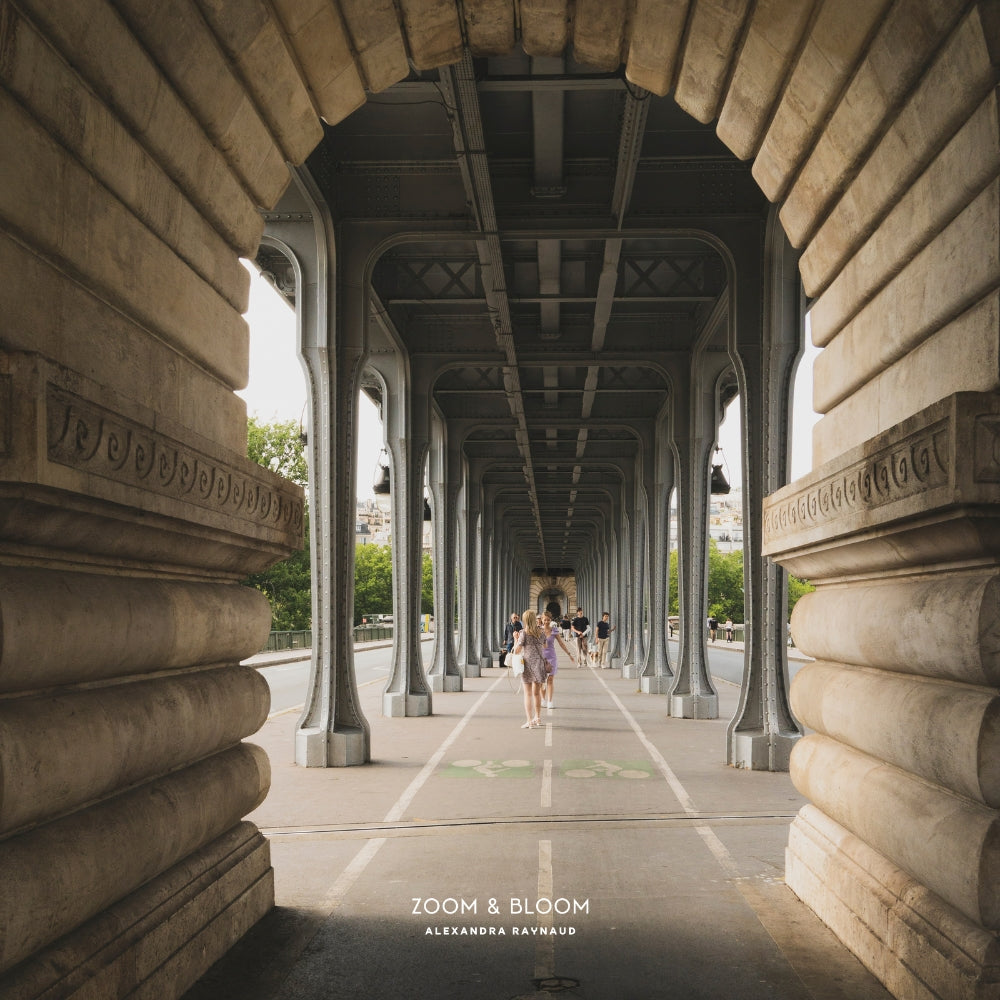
(708, 835)
(363, 858)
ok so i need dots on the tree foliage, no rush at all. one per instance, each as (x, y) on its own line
(372, 581)
(427, 586)
(796, 589)
(279, 447)
(288, 584)
(288, 587)
(725, 585)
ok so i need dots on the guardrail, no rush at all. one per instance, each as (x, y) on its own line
(302, 638)
(372, 633)
(277, 641)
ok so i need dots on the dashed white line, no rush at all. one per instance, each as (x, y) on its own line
(545, 946)
(709, 837)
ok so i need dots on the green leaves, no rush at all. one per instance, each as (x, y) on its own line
(287, 585)
(725, 585)
(278, 447)
(372, 581)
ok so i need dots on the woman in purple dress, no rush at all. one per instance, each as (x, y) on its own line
(552, 633)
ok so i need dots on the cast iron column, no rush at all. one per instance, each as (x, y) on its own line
(763, 731)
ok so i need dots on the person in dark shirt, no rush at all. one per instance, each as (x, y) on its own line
(580, 627)
(604, 630)
(565, 625)
(509, 631)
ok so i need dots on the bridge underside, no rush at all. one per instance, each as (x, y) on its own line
(553, 241)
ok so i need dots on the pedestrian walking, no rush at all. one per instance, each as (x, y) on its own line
(553, 634)
(580, 627)
(511, 629)
(604, 630)
(530, 643)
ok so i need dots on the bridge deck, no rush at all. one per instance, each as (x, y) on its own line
(428, 873)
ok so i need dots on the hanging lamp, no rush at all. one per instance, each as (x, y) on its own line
(720, 484)
(381, 485)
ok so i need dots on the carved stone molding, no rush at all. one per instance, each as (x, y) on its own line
(912, 466)
(923, 493)
(84, 435)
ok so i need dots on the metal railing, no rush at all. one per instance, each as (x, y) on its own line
(302, 639)
(277, 641)
(372, 633)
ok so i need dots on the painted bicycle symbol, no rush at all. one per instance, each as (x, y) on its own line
(605, 769)
(471, 768)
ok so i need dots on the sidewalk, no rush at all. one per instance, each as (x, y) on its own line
(273, 658)
(429, 873)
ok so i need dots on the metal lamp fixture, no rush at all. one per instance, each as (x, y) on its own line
(381, 485)
(720, 484)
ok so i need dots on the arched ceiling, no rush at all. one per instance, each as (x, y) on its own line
(558, 265)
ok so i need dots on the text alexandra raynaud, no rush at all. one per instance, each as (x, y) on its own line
(452, 906)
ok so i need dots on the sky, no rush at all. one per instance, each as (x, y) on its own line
(277, 391)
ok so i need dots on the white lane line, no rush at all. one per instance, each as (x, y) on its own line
(351, 874)
(285, 711)
(545, 945)
(298, 708)
(707, 835)
(547, 784)
(403, 802)
(717, 847)
(548, 734)
(363, 858)
(675, 786)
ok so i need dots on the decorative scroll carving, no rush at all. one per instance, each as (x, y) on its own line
(912, 466)
(986, 449)
(83, 435)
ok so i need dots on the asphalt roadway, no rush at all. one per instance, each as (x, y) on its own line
(608, 855)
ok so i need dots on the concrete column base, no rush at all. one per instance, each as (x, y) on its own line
(694, 706)
(320, 748)
(447, 683)
(485, 662)
(655, 685)
(402, 706)
(616, 663)
(630, 671)
(757, 751)
(913, 941)
(162, 938)
(472, 669)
